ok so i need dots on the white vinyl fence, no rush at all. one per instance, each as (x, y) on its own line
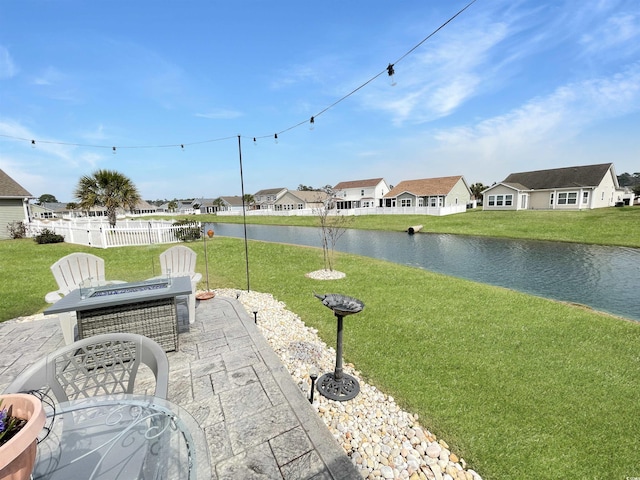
(433, 211)
(100, 235)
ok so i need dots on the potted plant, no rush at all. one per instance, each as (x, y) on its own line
(21, 420)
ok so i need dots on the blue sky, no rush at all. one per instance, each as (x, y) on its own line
(507, 86)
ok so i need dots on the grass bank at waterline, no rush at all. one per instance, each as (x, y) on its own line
(603, 226)
(519, 386)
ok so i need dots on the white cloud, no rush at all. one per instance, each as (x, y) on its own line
(545, 121)
(220, 114)
(434, 84)
(8, 68)
(620, 32)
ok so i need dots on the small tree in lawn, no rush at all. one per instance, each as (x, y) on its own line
(332, 226)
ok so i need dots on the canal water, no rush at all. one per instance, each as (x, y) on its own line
(604, 278)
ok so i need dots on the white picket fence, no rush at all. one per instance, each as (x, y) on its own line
(100, 234)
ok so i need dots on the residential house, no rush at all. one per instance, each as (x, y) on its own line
(301, 199)
(230, 204)
(14, 204)
(430, 192)
(567, 188)
(266, 199)
(143, 208)
(360, 193)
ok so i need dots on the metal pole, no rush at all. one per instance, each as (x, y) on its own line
(206, 259)
(244, 215)
(338, 371)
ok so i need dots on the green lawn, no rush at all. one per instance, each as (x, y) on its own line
(520, 386)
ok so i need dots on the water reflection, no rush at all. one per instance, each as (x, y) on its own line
(605, 278)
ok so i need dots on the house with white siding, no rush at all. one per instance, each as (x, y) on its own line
(360, 193)
(567, 188)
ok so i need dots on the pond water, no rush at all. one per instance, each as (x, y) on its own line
(604, 278)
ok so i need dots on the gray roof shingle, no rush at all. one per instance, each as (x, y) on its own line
(10, 188)
(567, 177)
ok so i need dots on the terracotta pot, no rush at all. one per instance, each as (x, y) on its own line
(18, 455)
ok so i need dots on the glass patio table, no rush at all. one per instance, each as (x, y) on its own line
(122, 437)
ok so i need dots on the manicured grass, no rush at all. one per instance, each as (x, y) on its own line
(521, 387)
(604, 226)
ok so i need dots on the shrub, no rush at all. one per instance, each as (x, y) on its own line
(47, 236)
(189, 232)
(17, 229)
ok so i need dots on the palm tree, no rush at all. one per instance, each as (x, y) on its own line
(249, 200)
(476, 190)
(109, 189)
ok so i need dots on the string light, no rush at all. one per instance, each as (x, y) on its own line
(255, 142)
(389, 70)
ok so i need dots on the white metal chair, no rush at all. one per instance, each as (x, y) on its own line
(70, 272)
(180, 261)
(99, 365)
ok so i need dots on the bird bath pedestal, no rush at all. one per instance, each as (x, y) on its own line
(339, 385)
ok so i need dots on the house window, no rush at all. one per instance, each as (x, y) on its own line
(300, 206)
(492, 200)
(405, 202)
(585, 197)
(551, 200)
(421, 202)
(508, 200)
(432, 201)
(362, 193)
(499, 200)
(567, 198)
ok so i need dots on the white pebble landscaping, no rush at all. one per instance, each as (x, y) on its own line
(382, 440)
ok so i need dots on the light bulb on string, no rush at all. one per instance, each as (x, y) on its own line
(391, 72)
(255, 142)
(275, 138)
(33, 144)
(182, 146)
(312, 123)
(113, 150)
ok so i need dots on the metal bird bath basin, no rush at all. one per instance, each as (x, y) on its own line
(339, 385)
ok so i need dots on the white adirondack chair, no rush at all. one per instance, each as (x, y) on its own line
(70, 272)
(180, 261)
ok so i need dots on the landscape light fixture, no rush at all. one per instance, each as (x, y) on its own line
(313, 375)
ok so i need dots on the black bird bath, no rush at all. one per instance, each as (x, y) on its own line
(339, 385)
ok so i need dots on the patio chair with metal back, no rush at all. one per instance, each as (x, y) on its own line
(180, 261)
(100, 365)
